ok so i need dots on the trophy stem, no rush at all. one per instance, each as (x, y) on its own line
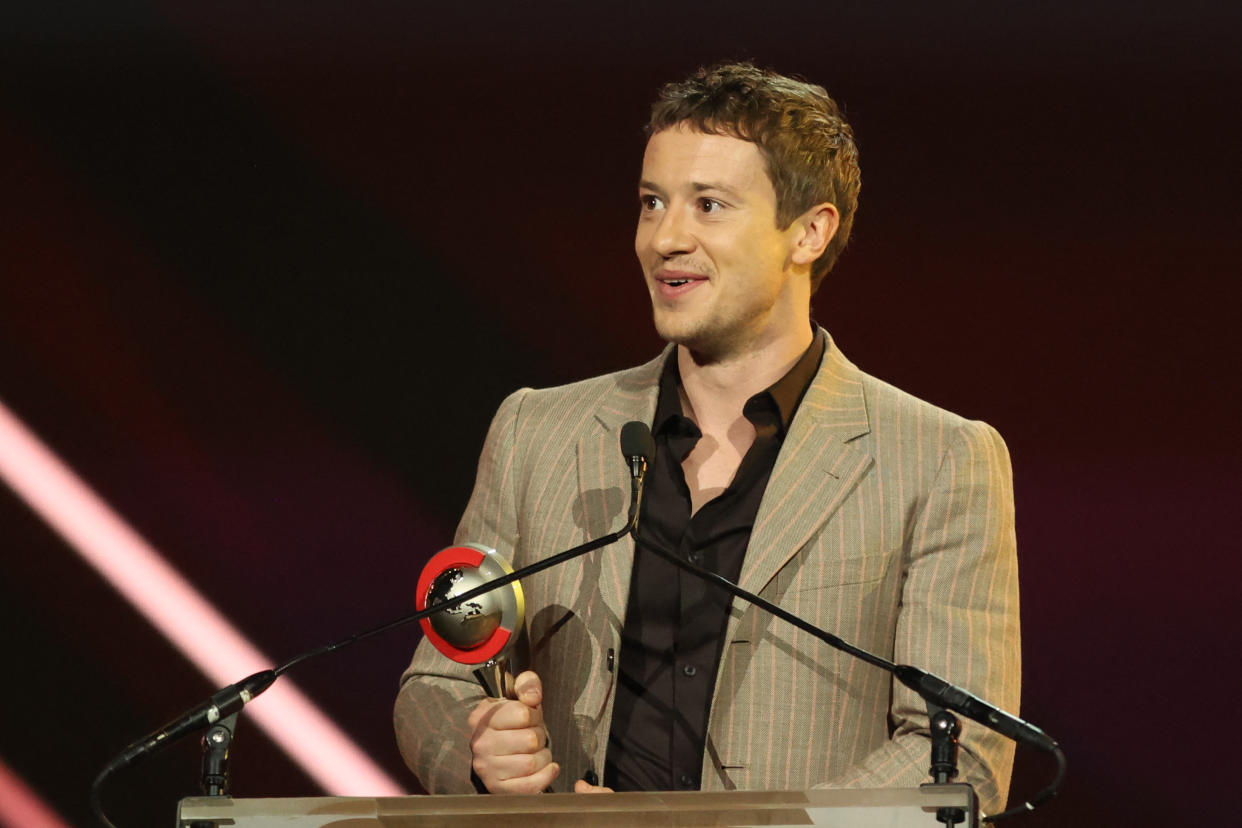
(496, 678)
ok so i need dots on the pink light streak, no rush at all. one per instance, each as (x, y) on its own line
(21, 807)
(181, 614)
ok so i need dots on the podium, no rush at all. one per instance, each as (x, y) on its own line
(880, 808)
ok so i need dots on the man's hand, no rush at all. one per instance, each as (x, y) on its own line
(582, 786)
(510, 743)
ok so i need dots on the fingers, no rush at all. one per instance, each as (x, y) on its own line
(502, 714)
(534, 783)
(515, 773)
(482, 713)
(509, 742)
(584, 787)
(529, 689)
(524, 741)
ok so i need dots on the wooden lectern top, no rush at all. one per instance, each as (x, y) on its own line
(887, 808)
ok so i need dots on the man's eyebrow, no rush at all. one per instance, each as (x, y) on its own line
(700, 186)
(697, 186)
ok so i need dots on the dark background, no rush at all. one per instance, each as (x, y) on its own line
(266, 270)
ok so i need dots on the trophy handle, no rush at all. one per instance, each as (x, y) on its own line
(496, 678)
(497, 675)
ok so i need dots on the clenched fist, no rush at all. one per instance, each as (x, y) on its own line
(509, 742)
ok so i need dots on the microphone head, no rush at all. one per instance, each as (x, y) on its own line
(482, 628)
(636, 441)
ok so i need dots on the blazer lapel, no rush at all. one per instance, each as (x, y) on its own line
(604, 482)
(816, 470)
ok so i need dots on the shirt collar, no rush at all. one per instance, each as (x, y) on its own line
(786, 393)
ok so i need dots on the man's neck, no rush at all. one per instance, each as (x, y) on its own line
(714, 392)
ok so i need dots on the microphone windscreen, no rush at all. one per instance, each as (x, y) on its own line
(636, 441)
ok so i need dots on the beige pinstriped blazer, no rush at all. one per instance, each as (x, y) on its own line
(887, 521)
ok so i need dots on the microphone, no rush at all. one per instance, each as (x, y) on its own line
(638, 447)
(939, 692)
(222, 704)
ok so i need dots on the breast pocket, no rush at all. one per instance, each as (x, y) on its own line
(844, 594)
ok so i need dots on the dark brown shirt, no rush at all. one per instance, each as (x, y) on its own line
(674, 622)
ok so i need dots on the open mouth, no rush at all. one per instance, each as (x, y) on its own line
(679, 278)
(673, 284)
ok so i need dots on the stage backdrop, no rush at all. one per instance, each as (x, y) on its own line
(266, 270)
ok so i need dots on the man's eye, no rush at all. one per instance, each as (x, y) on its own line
(710, 205)
(649, 203)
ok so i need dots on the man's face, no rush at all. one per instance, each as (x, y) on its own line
(717, 267)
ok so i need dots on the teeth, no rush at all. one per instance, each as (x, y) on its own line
(678, 282)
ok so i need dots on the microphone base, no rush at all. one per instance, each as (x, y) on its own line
(959, 817)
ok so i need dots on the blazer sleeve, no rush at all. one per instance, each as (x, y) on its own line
(959, 618)
(437, 694)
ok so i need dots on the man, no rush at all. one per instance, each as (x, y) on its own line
(779, 465)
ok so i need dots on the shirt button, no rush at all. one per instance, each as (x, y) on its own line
(686, 780)
(689, 669)
(694, 558)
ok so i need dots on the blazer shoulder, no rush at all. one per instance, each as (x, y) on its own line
(888, 399)
(908, 418)
(619, 394)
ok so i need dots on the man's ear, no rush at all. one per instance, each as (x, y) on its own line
(815, 229)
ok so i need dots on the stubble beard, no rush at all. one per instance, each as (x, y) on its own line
(708, 337)
(711, 329)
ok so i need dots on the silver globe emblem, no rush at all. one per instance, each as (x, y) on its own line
(472, 623)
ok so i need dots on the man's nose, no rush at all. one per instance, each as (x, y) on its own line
(672, 236)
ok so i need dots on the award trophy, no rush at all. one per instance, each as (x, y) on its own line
(488, 630)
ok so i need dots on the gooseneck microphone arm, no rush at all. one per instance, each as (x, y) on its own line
(636, 445)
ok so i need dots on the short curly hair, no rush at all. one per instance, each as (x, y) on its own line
(798, 128)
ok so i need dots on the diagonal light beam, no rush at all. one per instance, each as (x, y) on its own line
(20, 807)
(178, 611)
